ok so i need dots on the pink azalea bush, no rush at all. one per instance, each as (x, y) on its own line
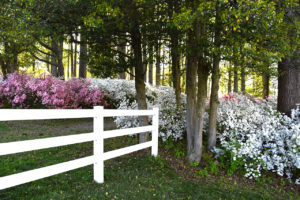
(21, 90)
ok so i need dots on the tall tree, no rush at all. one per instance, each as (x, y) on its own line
(175, 50)
(289, 67)
(214, 98)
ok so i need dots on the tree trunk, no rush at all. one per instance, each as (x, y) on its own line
(121, 56)
(11, 57)
(289, 68)
(145, 62)
(83, 59)
(203, 73)
(150, 78)
(229, 79)
(68, 65)
(54, 55)
(266, 85)
(235, 79)
(72, 60)
(158, 58)
(60, 66)
(175, 53)
(132, 73)
(243, 80)
(139, 78)
(175, 66)
(289, 83)
(75, 58)
(15, 65)
(191, 74)
(47, 63)
(214, 99)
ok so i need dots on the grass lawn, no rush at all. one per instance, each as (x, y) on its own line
(133, 176)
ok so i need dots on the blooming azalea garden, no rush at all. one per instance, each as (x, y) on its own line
(252, 136)
(224, 75)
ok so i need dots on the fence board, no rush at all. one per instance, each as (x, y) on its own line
(126, 150)
(126, 131)
(30, 145)
(119, 113)
(41, 114)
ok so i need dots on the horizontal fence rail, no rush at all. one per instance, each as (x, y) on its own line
(127, 131)
(30, 145)
(98, 136)
(119, 113)
(41, 114)
(126, 150)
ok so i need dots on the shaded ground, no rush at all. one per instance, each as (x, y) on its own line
(133, 176)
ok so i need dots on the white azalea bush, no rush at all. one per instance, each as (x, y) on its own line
(251, 134)
(122, 96)
(258, 138)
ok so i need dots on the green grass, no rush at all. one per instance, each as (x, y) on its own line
(134, 176)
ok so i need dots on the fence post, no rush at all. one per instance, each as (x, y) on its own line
(154, 149)
(98, 144)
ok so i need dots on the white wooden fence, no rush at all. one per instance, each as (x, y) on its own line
(98, 136)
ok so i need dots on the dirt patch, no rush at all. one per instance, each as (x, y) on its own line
(183, 168)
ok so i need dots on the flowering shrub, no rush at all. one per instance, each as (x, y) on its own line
(122, 96)
(250, 132)
(20, 90)
(258, 137)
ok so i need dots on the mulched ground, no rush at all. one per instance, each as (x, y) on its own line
(182, 167)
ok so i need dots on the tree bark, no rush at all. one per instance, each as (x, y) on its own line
(139, 77)
(266, 85)
(83, 59)
(132, 73)
(191, 74)
(54, 60)
(289, 68)
(150, 78)
(229, 79)
(15, 64)
(158, 59)
(235, 79)
(122, 52)
(175, 66)
(47, 63)
(203, 72)
(75, 58)
(145, 62)
(289, 83)
(243, 79)
(175, 53)
(214, 99)
(60, 66)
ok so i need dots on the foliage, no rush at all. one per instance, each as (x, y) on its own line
(21, 90)
(213, 168)
(194, 163)
(203, 172)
